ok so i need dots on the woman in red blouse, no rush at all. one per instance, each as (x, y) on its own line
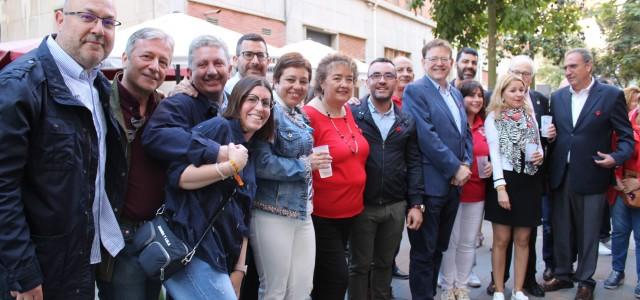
(457, 261)
(337, 199)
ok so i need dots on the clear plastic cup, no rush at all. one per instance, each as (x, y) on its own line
(545, 122)
(326, 172)
(482, 163)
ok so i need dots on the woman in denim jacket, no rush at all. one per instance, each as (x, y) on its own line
(281, 230)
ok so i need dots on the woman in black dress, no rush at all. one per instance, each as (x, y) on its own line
(516, 154)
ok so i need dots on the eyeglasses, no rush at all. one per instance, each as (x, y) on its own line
(248, 55)
(254, 100)
(521, 73)
(435, 59)
(88, 17)
(378, 76)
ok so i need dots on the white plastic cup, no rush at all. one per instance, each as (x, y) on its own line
(529, 150)
(326, 172)
(482, 163)
(545, 122)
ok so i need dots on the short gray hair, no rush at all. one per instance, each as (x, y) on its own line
(586, 54)
(207, 41)
(519, 59)
(148, 33)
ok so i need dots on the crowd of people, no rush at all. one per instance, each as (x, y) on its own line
(308, 195)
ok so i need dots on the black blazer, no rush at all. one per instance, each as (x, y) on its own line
(603, 113)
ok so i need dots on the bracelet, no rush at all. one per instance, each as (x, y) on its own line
(498, 179)
(217, 167)
(501, 188)
(236, 170)
(241, 268)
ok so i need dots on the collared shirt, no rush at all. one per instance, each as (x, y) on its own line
(451, 103)
(231, 83)
(80, 83)
(578, 99)
(384, 121)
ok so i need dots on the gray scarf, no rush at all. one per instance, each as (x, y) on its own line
(516, 129)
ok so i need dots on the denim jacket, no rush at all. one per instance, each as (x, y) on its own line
(283, 172)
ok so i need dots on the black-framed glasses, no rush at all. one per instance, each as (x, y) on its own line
(387, 76)
(249, 55)
(88, 17)
(254, 100)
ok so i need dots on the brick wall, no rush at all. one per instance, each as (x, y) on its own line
(352, 46)
(242, 22)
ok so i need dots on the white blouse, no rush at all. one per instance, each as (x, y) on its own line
(497, 158)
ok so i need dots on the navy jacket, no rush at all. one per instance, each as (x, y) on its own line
(394, 171)
(442, 146)
(48, 166)
(603, 113)
(190, 211)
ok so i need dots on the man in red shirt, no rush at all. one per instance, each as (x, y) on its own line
(146, 60)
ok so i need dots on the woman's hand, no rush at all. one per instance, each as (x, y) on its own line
(537, 158)
(503, 199)
(488, 170)
(619, 186)
(630, 185)
(319, 160)
(239, 155)
(236, 281)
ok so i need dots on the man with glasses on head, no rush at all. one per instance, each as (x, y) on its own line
(146, 59)
(444, 141)
(251, 58)
(61, 163)
(394, 181)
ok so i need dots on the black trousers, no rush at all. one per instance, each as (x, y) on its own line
(331, 276)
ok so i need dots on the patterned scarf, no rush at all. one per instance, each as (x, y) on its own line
(516, 129)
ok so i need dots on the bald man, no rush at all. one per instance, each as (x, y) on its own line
(404, 69)
(61, 161)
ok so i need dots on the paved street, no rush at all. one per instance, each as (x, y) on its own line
(483, 267)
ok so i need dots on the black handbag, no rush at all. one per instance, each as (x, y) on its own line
(161, 252)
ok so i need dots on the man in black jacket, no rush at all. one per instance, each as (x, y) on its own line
(394, 180)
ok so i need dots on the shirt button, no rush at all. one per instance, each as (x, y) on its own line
(123, 174)
(77, 291)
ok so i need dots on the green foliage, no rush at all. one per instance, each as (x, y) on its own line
(416, 5)
(620, 23)
(551, 74)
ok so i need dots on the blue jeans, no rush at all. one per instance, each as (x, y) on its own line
(129, 280)
(624, 219)
(198, 280)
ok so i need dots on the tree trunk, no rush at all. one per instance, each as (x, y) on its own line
(491, 51)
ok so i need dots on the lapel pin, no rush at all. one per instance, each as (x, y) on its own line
(598, 113)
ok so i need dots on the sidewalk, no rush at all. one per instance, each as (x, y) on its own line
(401, 287)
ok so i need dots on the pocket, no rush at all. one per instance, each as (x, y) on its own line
(288, 142)
(56, 147)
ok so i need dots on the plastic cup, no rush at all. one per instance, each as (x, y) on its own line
(529, 150)
(326, 172)
(545, 122)
(482, 163)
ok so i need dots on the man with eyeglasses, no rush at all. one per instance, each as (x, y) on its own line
(61, 163)
(394, 181)
(251, 58)
(445, 146)
(146, 59)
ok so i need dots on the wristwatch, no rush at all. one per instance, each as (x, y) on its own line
(419, 206)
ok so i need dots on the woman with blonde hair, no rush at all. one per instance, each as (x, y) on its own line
(514, 205)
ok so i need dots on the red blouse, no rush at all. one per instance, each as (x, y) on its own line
(474, 189)
(339, 196)
(633, 163)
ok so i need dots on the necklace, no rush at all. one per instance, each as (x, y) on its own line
(342, 137)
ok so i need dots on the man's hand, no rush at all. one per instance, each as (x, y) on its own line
(462, 175)
(551, 132)
(35, 294)
(414, 218)
(353, 101)
(184, 87)
(607, 161)
(236, 281)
